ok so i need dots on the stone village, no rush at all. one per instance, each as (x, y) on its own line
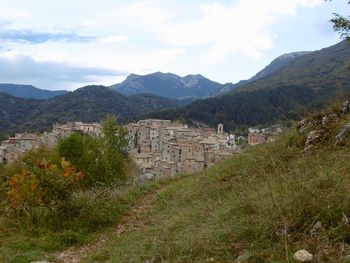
(161, 148)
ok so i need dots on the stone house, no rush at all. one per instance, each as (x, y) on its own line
(29, 142)
(163, 148)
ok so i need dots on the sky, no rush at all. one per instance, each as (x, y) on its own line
(68, 44)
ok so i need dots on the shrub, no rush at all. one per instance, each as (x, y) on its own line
(102, 159)
(43, 190)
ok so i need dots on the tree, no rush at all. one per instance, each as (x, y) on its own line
(72, 148)
(103, 158)
(341, 24)
(114, 147)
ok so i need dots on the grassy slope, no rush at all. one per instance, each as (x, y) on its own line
(262, 203)
(102, 208)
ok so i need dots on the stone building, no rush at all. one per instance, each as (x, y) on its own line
(259, 136)
(15, 147)
(163, 148)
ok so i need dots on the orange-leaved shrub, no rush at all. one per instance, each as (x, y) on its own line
(44, 189)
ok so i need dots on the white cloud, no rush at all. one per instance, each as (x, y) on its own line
(22, 14)
(91, 23)
(114, 39)
(244, 26)
(206, 36)
(142, 13)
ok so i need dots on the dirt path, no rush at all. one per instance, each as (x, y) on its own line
(131, 221)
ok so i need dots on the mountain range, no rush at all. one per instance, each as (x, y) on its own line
(29, 91)
(192, 87)
(183, 90)
(169, 85)
(308, 82)
(285, 90)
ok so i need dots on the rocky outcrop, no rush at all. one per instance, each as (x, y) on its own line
(342, 135)
(328, 119)
(312, 138)
(345, 107)
(303, 126)
(321, 127)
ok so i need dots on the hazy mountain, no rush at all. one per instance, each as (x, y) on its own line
(169, 85)
(310, 81)
(88, 104)
(29, 91)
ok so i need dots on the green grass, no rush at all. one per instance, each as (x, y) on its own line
(98, 209)
(263, 202)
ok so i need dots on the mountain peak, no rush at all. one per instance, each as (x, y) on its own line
(169, 85)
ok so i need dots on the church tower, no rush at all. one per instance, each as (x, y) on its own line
(220, 128)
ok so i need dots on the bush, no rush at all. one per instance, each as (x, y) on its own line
(42, 191)
(102, 159)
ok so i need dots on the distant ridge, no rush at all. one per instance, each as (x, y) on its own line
(29, 91)
(169, 85)
(192, 87)
(88, 104)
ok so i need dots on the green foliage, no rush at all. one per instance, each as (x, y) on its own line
(45, 205)
(341, 24)
(103, 159)
(90, 210)
(72, 148)
(114, 142)
(3, 136)
(42, 191)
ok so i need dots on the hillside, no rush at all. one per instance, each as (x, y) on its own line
(87, 104)
(14, 111)
(262, 205)
(309, 82)
(29, 91)
(153, 102)
(275, 66)
(169, 85)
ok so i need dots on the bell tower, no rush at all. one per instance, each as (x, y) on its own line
(220, 128)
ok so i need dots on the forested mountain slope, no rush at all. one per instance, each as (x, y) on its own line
(310, 81)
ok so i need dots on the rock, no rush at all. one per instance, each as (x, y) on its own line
(303, 256)
(325, 120)
(312, 138)
(316, 228)
(244, 258)
(328, 118)
(303, 125)
(345, 107)
(345, 220)
(341, 136)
